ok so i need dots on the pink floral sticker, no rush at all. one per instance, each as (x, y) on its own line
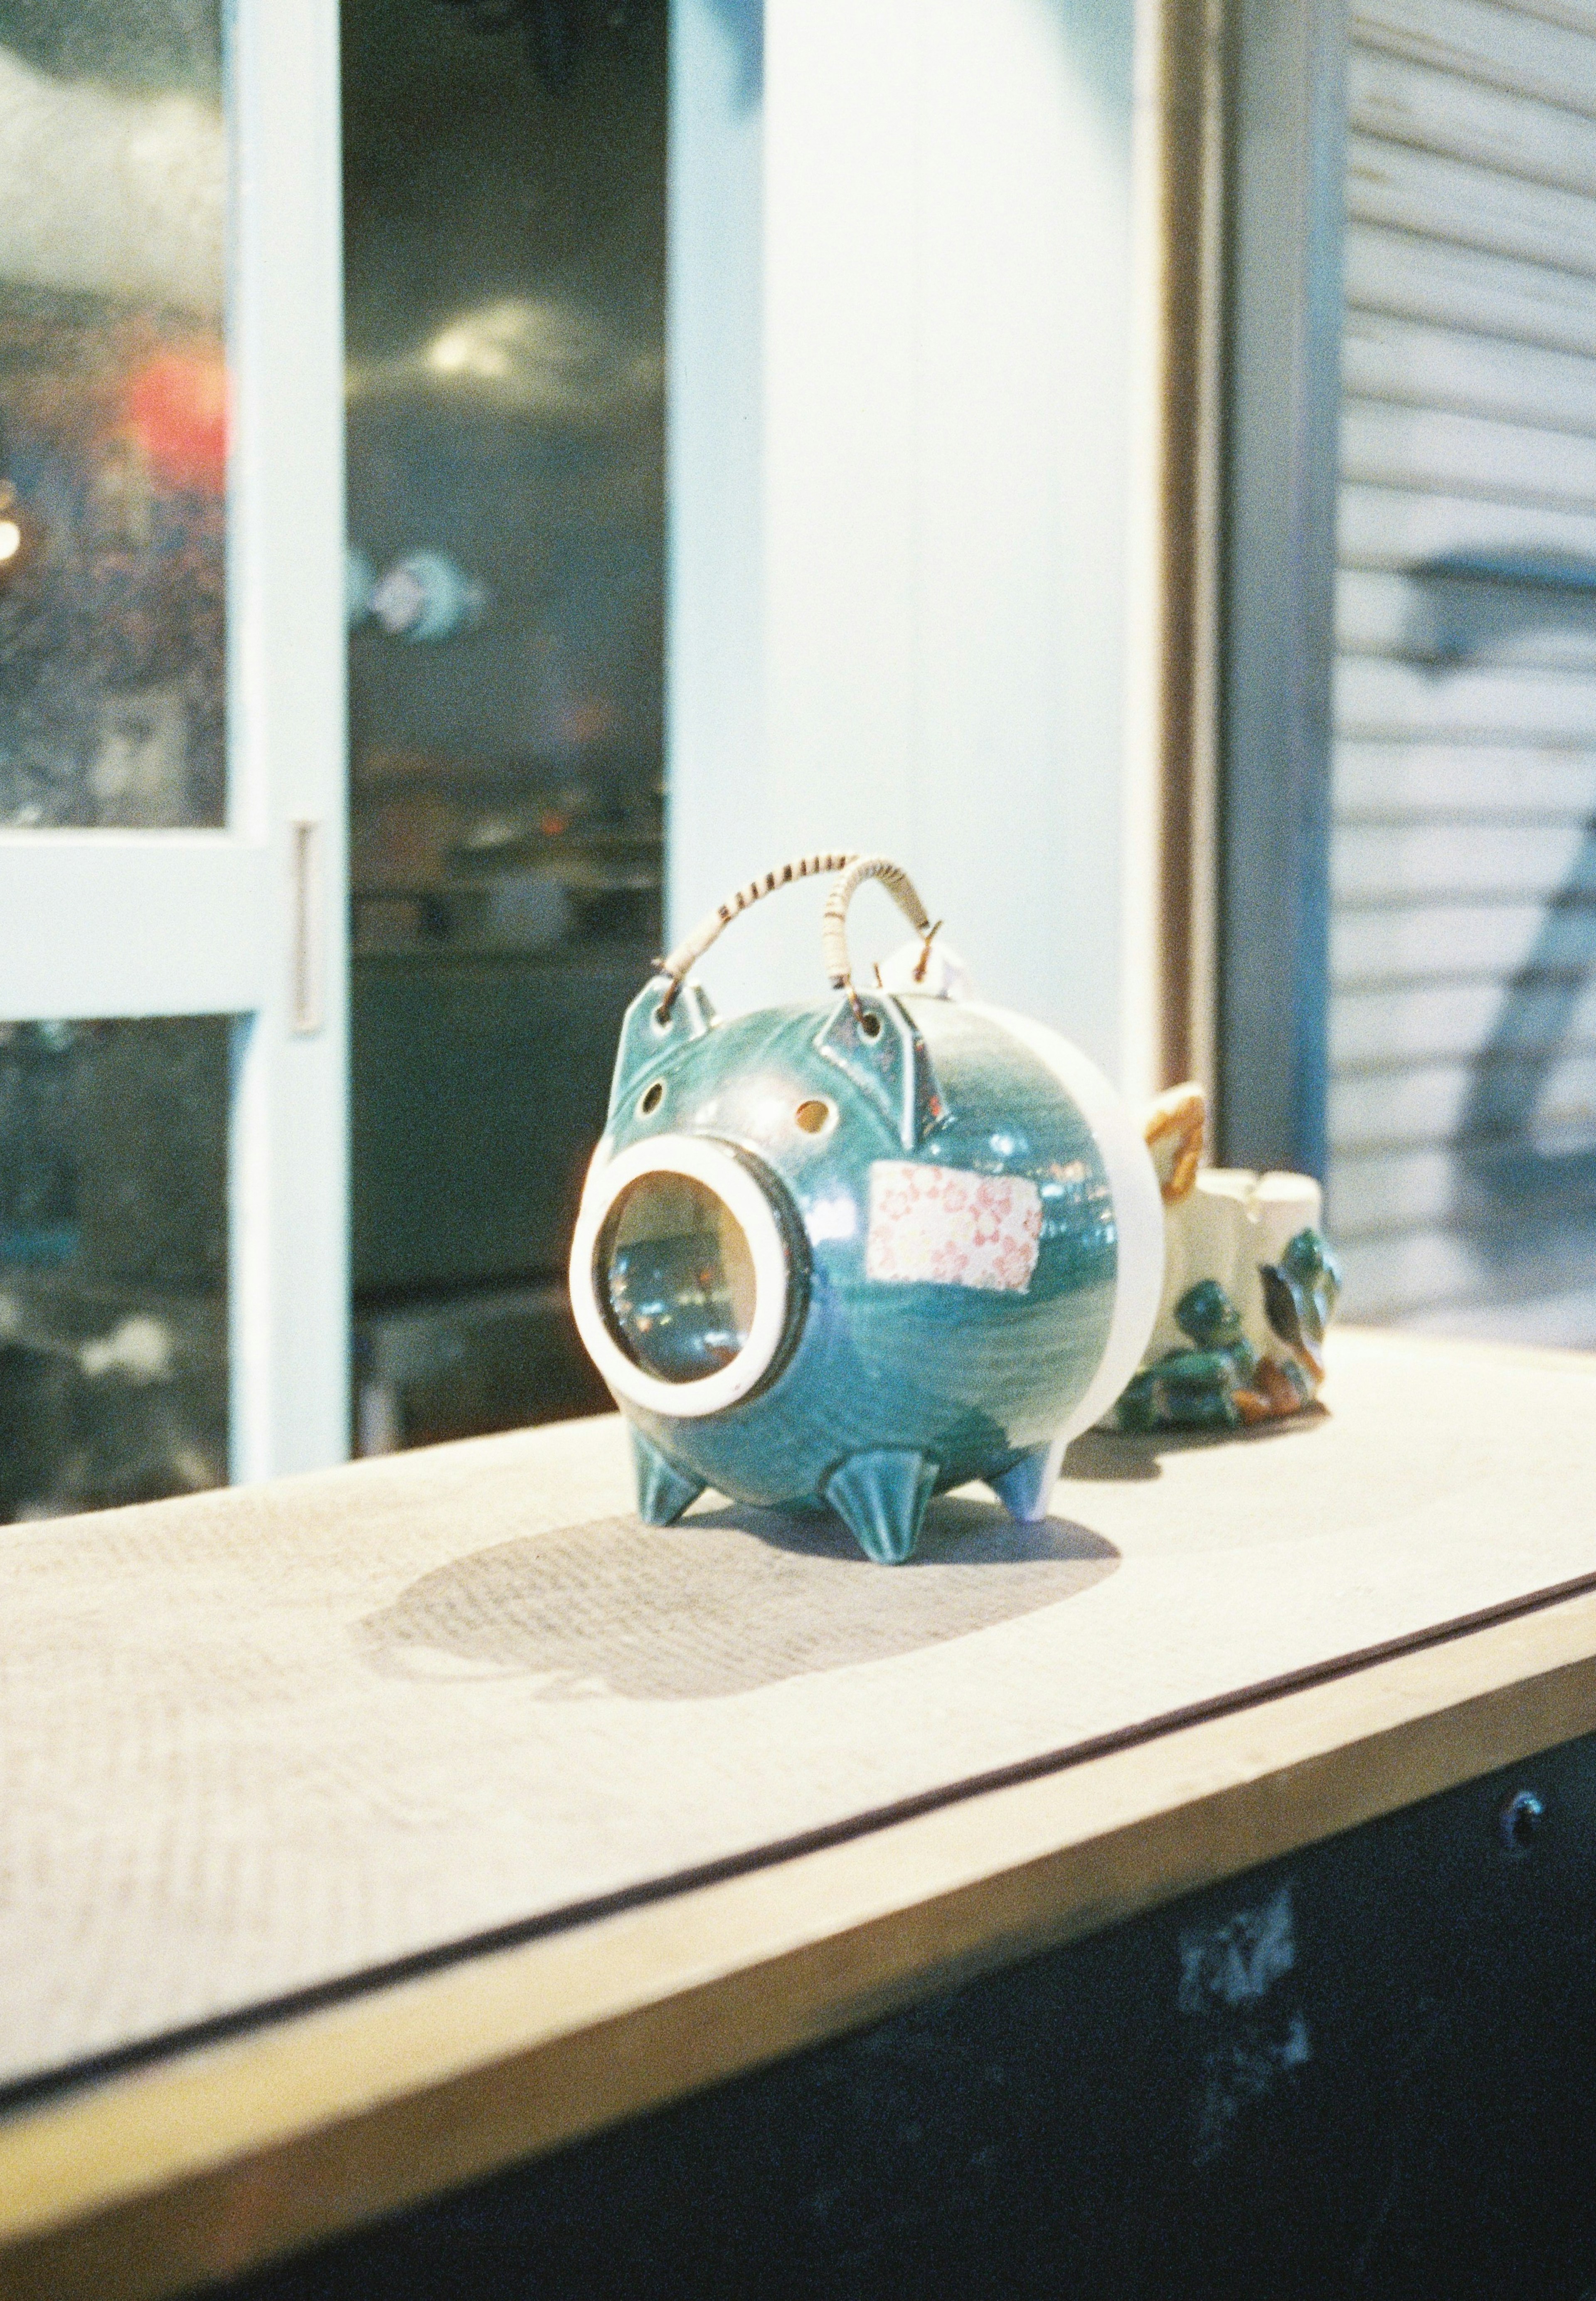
(947, 1227)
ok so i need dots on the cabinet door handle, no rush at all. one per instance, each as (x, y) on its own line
(306, 1000)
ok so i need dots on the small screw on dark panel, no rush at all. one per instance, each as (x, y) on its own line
(1520, 1820)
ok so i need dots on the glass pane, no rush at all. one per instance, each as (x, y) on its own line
(113, 1370)
(112, 414)
(504, 259)
(505, 201)
(676, 1277)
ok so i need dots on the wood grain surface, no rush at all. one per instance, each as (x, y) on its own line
(203, 2161)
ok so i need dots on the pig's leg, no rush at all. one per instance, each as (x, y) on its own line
(664, 1492)
(882, 1495)
(1026, 1488)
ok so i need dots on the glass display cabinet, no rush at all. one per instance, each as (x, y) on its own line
(172, 1176)
(196, 617)
(504, 184)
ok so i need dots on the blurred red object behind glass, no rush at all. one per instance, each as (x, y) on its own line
(176, 408)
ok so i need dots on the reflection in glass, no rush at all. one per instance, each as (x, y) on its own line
(504, 262)
(676, 1277)
(113, 1371)
(504, 266)
(112, 414)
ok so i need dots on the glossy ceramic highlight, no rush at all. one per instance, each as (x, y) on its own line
(889, 1242)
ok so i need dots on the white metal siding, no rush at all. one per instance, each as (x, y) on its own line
(1463, 1003)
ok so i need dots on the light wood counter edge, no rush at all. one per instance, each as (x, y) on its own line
(227, 2156)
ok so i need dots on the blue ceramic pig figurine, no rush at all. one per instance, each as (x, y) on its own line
(853, 1253)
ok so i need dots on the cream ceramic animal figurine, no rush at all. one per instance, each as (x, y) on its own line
(1250, 1286)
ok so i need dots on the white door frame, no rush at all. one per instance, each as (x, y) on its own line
(251, 921)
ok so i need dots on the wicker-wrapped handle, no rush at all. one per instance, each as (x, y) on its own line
(834, 927)
(852, 870)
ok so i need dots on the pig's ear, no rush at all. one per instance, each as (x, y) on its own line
(654, 1030)
(872, 1039)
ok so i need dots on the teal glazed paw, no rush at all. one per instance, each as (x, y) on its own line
(1207, 1317)
(1300, 1292)
(881, 1496)
(664, 1492)
(1185, 1390)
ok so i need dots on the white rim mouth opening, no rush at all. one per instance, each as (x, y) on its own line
(715, 1167)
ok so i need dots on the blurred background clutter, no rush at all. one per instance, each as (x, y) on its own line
(1169, 520)
(504, 251)
(113, 1261)
(503, 264)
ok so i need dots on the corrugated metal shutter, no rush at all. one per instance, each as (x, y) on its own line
(1463, 1003)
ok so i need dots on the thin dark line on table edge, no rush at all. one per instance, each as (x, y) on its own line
(116, 2060)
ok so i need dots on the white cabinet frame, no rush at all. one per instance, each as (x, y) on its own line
(251, 921)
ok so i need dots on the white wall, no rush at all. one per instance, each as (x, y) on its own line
(901, 485)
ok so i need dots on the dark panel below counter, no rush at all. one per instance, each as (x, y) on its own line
(1368, 2068)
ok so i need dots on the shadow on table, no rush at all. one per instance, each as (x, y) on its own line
(1101, 1456)
(729, 1600)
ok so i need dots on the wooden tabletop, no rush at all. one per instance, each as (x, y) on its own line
(366, 1832)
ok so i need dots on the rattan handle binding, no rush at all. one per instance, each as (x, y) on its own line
(833, 926)
(852, 870)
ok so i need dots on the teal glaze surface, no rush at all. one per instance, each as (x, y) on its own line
(968, 1379)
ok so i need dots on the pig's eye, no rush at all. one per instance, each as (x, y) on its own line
(651, 1099)
(676, 1282)
(815, 1116)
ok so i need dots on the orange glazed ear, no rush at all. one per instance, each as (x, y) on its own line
(1173, 1129)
